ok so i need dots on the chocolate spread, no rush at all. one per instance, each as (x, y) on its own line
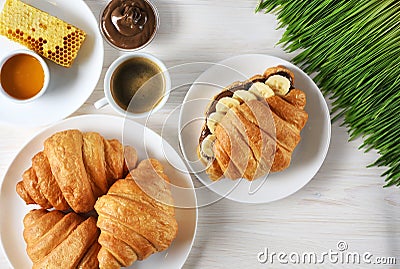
(212, 108)
(129, 24)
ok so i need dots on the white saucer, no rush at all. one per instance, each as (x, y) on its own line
(147, 144)
(307, 157)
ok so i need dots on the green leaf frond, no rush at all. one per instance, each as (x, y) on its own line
(354, 48)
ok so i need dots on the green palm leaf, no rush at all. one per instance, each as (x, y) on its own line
(354, 47)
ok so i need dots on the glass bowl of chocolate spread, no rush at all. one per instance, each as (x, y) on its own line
(129, 25)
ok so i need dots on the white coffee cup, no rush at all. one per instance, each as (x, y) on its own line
(45, 69)
(108, 99)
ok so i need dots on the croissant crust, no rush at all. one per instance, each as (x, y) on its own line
(136, 217)
(258, 136)
(73, 170)
(58, 240)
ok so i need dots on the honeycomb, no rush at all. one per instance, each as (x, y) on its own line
(37, 30)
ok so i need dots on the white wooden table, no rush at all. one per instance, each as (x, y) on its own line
(344, 202)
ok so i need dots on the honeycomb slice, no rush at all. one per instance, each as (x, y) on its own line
(41, 32)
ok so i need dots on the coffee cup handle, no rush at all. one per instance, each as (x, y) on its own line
(101, 103)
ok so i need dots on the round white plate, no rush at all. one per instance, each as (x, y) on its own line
(70, 87)
(13, 209)
(307, 157)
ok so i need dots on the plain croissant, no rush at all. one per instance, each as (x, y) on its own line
(58, 240)
(73, 170)
(136, 216)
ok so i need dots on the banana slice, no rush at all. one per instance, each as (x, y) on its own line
(279, 84)
(261, 90)
(213, 120)
(226, 103)
(244, 96)
(207, 146)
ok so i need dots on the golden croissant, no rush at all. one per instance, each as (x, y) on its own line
(136, 217)
(58, 240)
(73, 170)
(253, 127)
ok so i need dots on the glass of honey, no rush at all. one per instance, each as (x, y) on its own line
(24, 76)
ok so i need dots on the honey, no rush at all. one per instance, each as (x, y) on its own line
(22, 76)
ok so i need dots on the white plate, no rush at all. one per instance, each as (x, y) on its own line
(307, 157)
(70, 87)
(13, 209)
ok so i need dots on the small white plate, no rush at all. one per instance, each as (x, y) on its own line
(147, 144)
(307, 157)
(70, 87)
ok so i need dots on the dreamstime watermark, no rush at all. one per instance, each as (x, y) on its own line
(340, 255)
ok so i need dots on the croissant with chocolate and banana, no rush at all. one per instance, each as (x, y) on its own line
(252, 127)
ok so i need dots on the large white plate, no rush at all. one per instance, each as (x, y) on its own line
(13, 209)
(307, 157)
(69, 87)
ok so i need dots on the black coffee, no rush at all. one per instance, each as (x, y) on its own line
(137, 85)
